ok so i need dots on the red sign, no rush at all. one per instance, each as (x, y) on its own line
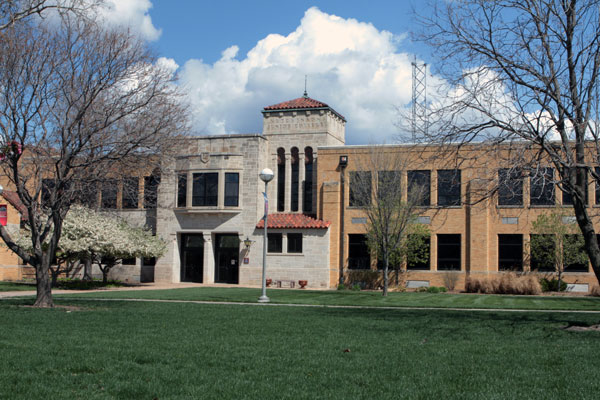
(3, 214)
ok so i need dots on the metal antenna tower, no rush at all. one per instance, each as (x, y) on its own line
(419, 99)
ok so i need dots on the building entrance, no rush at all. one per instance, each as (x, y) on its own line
(227, 253)
(192, 257)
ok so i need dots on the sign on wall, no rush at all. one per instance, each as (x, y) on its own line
(3, 214)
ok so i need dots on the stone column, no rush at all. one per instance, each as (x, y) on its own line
(209, 259)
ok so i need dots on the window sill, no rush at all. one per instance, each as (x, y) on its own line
(208, 210)
(542, 205)
(509, 206)
(286, 254)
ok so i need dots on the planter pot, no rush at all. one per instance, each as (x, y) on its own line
(302, 284)
(268, 282)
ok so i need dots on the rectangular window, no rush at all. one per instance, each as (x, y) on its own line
(47, 188)
(542, 252)
(358, 252)
(109, 194)
(360, 188)
(274, 243)
(281, 186)
(182, 190)
(448, 186)
(129, 195)
(295, 185)
(205, 189)
(577, 260)
(567, 199)
(232, 189)
(510, 187)
(388, 185)
(448, 252)
(308, 188)
(149, 261)
(542, 187)
(419, 187)
(294, 243)
(151, 191)
(510, 252)
(419, 253)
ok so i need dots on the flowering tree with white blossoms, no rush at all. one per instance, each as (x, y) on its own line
(101, 238)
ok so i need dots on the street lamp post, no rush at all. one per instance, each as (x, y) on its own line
(266, 175)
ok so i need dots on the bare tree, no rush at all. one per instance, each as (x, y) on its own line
(524, 75)
(79, 106)
(13, 11)
(375, 186)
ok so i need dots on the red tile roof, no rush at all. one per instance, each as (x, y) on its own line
(14, 201)
(293, 221)
(302, 103)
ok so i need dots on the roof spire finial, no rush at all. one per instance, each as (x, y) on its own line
(305, 92)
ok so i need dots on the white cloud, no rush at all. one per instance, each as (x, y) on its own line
(351, 65)
(133, 14)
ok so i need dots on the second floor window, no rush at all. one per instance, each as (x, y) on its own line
(448, 185)
(232, 188)
(419, 187)
(360, 188)
(109, 194)
(129, 195)
(182, 190)
(510, 187)
(205, 189)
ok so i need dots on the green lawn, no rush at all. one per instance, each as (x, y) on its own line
(113, 349)
(16, 286)
(364, 298)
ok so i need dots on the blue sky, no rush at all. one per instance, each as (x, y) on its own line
(235, 57)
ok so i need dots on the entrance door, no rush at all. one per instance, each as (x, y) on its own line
(227, 258)
(192, 257)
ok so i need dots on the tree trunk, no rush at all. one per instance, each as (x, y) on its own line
(43, 288)
(385, 275)
(105, 275)
(589, 235)
(87, 269)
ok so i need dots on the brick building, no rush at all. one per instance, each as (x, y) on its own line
(209, 201)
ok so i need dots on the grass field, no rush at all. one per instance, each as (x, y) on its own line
(114, 349)
(364, 298)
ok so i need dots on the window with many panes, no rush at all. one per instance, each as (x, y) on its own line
(510, 187)
(418, 258)
(109, 193)
(448, 187)
(151, 191)
(388, 185)
(232, 189)
(419, 187)
(543, 250)
(360, 188)
(129, 193)
(182, 190)
(274, 242)
(575, 242)
(567, 199)
(294, 243)
(205, 189)
(358, 252)
(448, 258)
(510, 252)
(541, 191)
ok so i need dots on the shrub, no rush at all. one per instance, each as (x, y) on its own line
(508, 283)
(551, 285)
(436, 289)
(366, 278)
(450, 279)
(341, 286)
(595, 291)
(356, 287)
